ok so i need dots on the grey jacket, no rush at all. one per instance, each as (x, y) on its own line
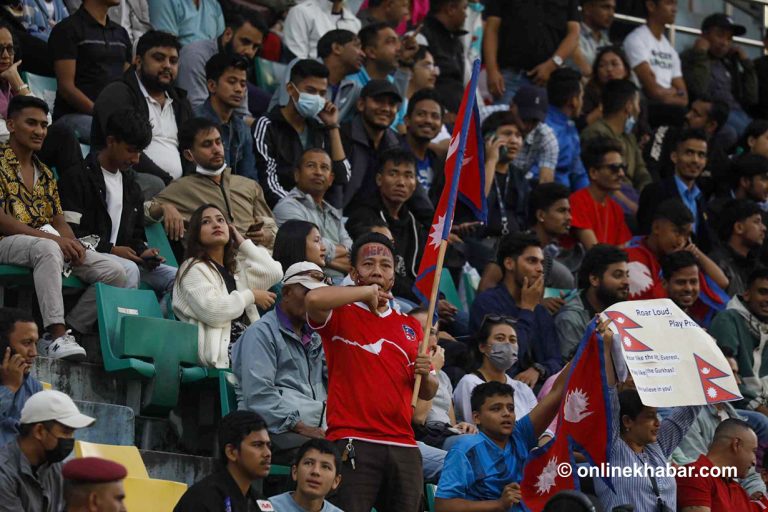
(22, 490)
(570, 324)
(278, 377)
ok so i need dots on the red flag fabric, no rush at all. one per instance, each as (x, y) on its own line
(547, 472)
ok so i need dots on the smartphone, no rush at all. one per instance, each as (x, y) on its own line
(153, 259)
(256, 226)
(502, 149)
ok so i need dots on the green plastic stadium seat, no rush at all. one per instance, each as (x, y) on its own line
(157, 238)
(449, 289)
(138, 343)
(429, 491)
(44, 87)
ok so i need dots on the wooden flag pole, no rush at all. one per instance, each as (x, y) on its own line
(430, 314)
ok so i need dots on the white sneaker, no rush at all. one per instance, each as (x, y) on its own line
(65, 347)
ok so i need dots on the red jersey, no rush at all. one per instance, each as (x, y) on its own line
(644, 272)
(606, 220)
(370, 374)
(713, 493)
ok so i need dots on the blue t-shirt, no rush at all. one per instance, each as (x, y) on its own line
(476, 469)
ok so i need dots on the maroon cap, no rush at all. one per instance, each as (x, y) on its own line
(93, 470)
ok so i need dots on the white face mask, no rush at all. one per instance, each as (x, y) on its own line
(208, 172)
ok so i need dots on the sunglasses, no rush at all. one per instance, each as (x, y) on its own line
(317, 276)
(615, 168)
(498, 319)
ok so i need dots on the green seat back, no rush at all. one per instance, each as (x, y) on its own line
(44, 87)
(429, 492)
(269, 74)
(157, 239)
(449, 289)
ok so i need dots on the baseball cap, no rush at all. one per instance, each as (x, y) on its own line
(748, 165)
(376, 88)
(53, 405)
(531, 102)
(724, 21)
(93, 470)
(306, 274)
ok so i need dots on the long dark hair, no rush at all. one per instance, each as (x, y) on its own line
(475, 359)
(616, 50)
(291, 242)
(197, 252)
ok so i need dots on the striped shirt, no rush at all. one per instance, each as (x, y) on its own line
(540, 149)
(637, 490)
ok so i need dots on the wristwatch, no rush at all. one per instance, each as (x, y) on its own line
(540, 368)
(558, 60)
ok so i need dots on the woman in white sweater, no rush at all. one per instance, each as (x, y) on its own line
(220, 284)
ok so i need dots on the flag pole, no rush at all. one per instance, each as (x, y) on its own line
(430, 315)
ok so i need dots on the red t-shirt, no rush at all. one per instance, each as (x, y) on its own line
(370, 374)
(644, 273)
(714, 493)
(606, 220)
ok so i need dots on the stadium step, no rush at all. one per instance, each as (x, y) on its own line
(187, 469)
(82, 381)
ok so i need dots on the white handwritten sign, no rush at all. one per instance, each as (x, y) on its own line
(672, 360)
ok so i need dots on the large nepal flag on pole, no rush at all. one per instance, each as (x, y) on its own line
(464, 179)
(583, 425)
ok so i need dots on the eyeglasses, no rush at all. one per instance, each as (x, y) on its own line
(7, 48)
(615, 168)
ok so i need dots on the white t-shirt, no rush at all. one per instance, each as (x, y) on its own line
(641, 46)
(114, 184)
(525, 400)
(163, 150)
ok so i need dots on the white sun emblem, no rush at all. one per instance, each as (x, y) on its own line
(576, 405)
(546, 479)
(711, 392)
(620, 319)
(705, 370)
(627, 341)
(436, 236)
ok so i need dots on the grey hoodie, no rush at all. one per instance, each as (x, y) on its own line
(570, 324)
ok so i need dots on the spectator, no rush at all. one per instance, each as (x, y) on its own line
(739, 330)
(391, 12)
(527, 44)
(566, 97)
(370, 388)
(423, 120)
(396, 183)
(306, 201)
(148, 88)
(717, 68)
(40, 17)
(610, 64)
(760, 110)
(280, 367)
(539, 153)
(670, 232)
(519, 296)
(240, 198)
(704, 114)
(680, 279)
(82, 64)
(297, 241)
(750, 175)
(341, 53)
(597, 18)
(603, 281)
(368, 135)
(208, 294)
(134, 17)
(11, 83)
(308, 120)
(382, 51)
(425, 73)
(46, 437)
(733, 446)
(443, 28)
(189, 20)
(690, 159)
(226, 75)
(621, 108)
(742, 234)
(308, 21)
(18, 349)
(657, 65)
(496, 350)
(243, 36)
(597, 217)
(103, 198)
(636, 430)
(35, 233)
(316, 472)
(244, 459)
(91, 483)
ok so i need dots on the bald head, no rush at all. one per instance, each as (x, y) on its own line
(734, 444)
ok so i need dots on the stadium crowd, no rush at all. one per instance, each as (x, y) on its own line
(294, 154)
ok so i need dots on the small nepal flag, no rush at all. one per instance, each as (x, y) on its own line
(583, 425)
(464, 179)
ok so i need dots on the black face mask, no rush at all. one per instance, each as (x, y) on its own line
(63, 448)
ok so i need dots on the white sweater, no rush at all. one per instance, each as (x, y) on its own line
(201, 298)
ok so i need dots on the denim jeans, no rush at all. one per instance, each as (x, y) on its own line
(513, 80)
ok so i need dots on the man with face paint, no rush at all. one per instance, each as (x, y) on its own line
(30, 469)
(148, 88)
(307, 120)
(373, 358)
(239, 198)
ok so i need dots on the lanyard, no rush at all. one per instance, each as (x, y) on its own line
(502, 205)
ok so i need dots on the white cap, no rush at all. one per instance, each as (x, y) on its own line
(301, 273)
(53, 405)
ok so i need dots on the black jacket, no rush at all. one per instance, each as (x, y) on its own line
(126, 93)
(214, 492)
(448, 50)
(84, 194)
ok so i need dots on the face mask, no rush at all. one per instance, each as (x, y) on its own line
(208, 172)
(629, 124)
(63, 448)
(476, 6)
(503, 355)
(309, 105)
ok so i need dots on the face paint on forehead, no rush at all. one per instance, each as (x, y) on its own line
(375, 250)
